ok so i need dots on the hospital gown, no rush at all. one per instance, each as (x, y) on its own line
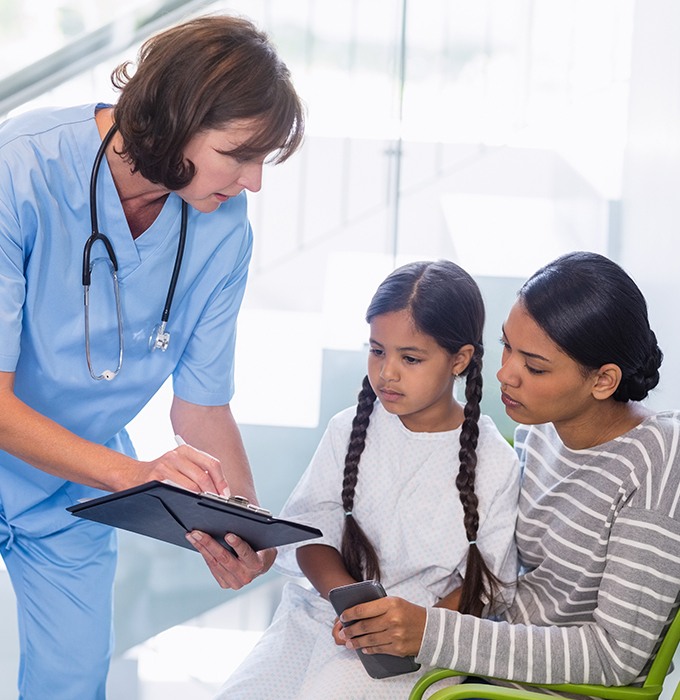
(409, 506)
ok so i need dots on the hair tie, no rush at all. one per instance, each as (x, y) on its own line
(348, 513)
(471, 542)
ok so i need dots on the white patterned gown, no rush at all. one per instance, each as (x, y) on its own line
(407, 503)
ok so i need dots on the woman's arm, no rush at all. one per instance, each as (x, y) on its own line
(39, 441)
(212, 430)
(611, 649)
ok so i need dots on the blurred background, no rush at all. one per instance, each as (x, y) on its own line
(496, 133)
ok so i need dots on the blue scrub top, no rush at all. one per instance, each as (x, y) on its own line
(45, 164)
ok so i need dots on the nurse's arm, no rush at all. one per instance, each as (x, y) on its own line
(213, 430)
(48, 446)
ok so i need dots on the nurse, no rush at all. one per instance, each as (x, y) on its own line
(209, 101)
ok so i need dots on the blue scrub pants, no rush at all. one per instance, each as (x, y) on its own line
(63, 582)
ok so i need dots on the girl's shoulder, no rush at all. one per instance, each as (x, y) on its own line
(494, 448)
(490, 434)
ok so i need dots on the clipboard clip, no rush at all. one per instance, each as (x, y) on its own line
(240, 501)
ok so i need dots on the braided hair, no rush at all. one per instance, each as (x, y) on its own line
(446, 304)
(595, 313)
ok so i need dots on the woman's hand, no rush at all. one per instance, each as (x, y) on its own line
(386, 626)
(232, 571)
(187, 467)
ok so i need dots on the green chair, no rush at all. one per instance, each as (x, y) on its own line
(649, 690)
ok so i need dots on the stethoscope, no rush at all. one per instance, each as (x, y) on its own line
(160, 338)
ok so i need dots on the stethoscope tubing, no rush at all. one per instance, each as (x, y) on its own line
(94, 218)
(159, 338)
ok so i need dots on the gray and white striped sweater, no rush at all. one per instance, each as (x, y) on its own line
(598, 535)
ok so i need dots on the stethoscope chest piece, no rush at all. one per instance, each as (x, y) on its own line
(159, 338)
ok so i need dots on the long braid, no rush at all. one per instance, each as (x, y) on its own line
(479, 579)
(358, 554)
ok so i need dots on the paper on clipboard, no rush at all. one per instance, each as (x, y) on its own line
(167, 512)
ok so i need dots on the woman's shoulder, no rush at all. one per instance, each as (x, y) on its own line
(667, 422)
(644, 461)
(658, 436)
(43, 121)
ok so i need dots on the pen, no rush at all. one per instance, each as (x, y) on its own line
(181, 441)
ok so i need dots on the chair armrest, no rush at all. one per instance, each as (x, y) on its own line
(528, 691)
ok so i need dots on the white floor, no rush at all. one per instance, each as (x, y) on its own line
(192, 660)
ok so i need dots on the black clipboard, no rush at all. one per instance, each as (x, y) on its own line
(167, 512)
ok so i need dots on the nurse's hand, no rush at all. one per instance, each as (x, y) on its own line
(385, 626)
(232, 571)
(188, 467)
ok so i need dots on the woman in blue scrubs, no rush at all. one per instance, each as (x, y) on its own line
(208, 102)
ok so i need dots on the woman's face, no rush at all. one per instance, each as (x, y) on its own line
(218, 175)
(539, 382)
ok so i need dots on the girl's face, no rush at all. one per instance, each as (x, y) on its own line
(413, 375)
(218, 175)
(539, 382)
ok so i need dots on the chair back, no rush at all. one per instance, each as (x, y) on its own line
(662, 661)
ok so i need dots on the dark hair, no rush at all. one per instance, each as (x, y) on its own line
(592, 309)
(445, 303)
(202, 75)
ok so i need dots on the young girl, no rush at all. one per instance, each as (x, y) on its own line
(413, 489)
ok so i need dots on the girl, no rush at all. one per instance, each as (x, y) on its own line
(598, 528)
(411, 488)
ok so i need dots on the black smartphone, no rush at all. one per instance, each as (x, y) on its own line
(377, 665)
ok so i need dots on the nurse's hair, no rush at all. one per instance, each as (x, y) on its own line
(593, 310)
(444, 303)
(201, 75)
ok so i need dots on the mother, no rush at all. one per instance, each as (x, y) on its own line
(598, 530)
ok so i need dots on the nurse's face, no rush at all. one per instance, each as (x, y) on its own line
(219, 176)
(539, 382)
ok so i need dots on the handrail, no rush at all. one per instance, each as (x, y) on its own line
(90, 49)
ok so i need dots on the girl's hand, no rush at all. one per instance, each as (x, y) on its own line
(386, 626)
(228, 570)
(337, 627)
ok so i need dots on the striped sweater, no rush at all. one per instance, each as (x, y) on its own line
(598, 535)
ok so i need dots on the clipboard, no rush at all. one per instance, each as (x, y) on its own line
(167, 512)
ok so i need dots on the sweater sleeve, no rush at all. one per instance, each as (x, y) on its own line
(636, 600)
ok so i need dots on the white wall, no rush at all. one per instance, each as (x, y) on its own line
(650, 243)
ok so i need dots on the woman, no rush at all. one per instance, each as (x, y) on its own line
(208, 102)
(598, 527)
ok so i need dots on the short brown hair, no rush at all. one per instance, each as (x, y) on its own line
(201, 75)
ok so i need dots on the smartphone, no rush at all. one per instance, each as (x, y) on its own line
(377, 665)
